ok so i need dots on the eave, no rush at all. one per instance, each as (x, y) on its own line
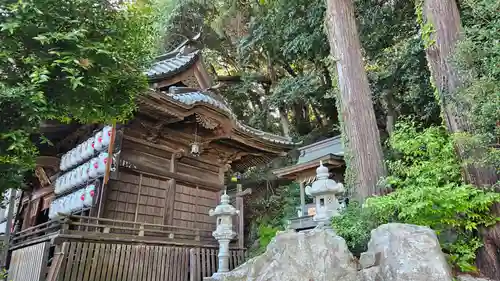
(293, 172)
(176, 106)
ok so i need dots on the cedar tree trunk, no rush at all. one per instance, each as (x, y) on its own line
(444, 17)
(359, 123)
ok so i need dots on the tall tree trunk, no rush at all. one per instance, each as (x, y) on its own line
(365, 161)
(285, 123)
(444, 17)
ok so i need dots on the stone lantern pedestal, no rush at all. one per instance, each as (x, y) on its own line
(324, 190)
(224, 232)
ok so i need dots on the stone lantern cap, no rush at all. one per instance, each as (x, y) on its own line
(224, 208)
(323, 184)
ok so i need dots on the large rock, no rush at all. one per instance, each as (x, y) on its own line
(471, 278)
(409, 253)
(318, 255)
(396, 252)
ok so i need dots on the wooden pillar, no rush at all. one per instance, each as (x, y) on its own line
(302, 198)
(241, 217)
(103, 192)
(136, 213)
(172, 186)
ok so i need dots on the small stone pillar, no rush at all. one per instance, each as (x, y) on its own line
(224, 232)
(324, 190)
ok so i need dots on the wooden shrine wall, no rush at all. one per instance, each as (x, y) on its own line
(191, 206)
(136, 198)
(144, 198)
(158, 155)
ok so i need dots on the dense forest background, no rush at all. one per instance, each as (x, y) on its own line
(413, 87)
(278, 71)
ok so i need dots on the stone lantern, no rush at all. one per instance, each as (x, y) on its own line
(324, 190)
(224, 232)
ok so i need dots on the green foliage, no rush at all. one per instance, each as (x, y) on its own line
(270, 213)
(429, 191)
(3, 274)
(19, 117)
(275, 207)
(396, 62)
(477, 57)
(266, 234)
(70, 60)
(354, 225)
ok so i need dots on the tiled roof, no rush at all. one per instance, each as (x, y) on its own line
(171, 64)
(192, 98)
(320, 149)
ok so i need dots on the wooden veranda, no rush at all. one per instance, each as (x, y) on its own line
(88, 249)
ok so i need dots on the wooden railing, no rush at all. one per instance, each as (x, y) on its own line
(74, 224)
(36, 233)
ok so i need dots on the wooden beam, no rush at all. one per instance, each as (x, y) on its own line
(241, 218)
(302, 198)
(161, 173)
(138, 198)
(172, 186)
(103, 194)
(42, 177)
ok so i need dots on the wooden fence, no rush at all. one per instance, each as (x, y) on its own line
(29, 263)
(204, 262)
(85, 261)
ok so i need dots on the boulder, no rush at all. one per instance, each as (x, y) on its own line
(409, 253)
(370, 274)
(471, 278)
(318, 255)
(396, 252)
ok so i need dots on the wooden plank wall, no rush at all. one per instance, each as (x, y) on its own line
(85, 261)
(136, 198)
(202, 167)
(191, 207)
(141, 198)
(29, 263)
(204, 262)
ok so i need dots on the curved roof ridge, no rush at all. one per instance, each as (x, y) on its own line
(171, 64)
(197, 97)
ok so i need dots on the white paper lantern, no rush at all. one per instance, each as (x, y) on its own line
(88, 195)
(62, 165)
(98, 145)
(103, 161)
(93, 168)
(106, 135)
(85, 171)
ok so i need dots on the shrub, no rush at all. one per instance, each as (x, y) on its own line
(430, 191)
(266, 233)
(354, 225)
